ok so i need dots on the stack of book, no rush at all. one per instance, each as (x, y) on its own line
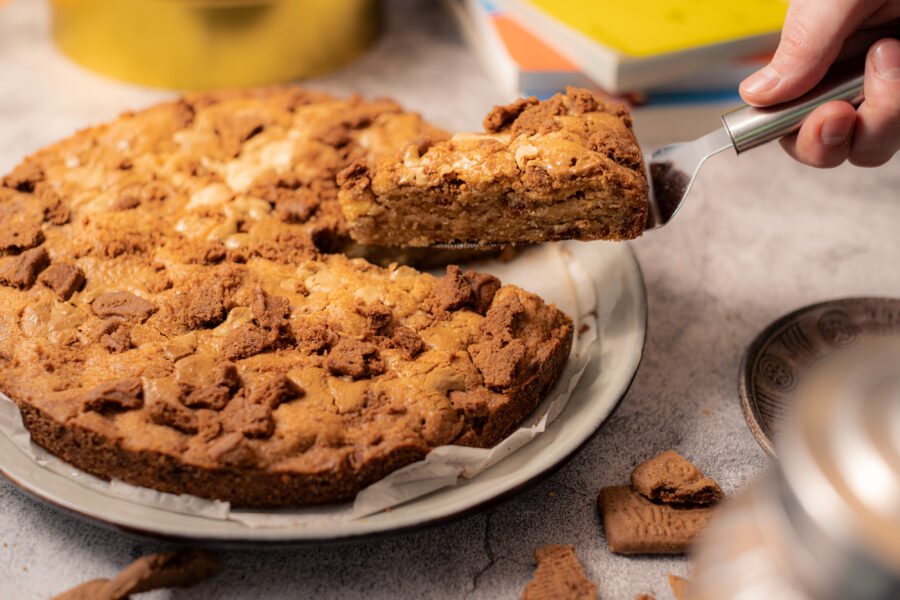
(644, 51)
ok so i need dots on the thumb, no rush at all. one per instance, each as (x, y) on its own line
(877, 135)
(811, 40)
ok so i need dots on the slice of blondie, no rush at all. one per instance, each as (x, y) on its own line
(564, 168)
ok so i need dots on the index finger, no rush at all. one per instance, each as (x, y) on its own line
(811, 39)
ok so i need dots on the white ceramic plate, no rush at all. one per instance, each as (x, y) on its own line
(615, 360)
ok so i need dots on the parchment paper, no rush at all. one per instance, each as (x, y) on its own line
(551, 271)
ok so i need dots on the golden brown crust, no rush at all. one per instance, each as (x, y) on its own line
(297, 424)
(176, 330)
(190, 423)
(565, 168)
(484, 419)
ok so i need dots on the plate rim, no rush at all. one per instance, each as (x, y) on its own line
(749, 409)
(634, 275)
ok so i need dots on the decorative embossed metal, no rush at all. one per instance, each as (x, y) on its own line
(778, 357)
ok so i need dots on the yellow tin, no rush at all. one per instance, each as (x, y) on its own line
(201, 44)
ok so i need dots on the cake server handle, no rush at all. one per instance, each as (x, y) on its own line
(750, 126)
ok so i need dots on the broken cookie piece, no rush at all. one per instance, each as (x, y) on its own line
(174, 569)
(670, 478)
(559, 576)
(457, 290)
(114, 335)
(64, 279)
(22, 271)
(354, 358)
(19, 237)
(125, 394)
(635, 525)
(124, 305)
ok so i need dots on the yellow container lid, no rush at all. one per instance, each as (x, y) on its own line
(201, 44)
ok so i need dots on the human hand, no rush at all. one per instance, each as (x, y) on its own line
(816, 33)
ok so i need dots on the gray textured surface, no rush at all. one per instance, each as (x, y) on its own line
(760, 236)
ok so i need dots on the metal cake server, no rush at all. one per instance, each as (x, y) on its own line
(672, 169)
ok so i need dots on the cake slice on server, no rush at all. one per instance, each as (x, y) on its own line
(564, 168)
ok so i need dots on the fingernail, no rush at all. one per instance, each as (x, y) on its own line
(886, 60)
(836, 130)
(762, 81)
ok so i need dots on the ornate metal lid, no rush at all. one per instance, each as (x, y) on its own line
(778, 358)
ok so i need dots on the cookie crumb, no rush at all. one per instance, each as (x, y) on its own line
(679, 586)
(559, 576)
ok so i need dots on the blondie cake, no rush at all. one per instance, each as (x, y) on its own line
(564, 168)
(169, 315)
(242, 172)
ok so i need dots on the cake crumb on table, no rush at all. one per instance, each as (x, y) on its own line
(559, 576)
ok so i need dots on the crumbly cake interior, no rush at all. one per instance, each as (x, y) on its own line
(565, 168)
(168, 316)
